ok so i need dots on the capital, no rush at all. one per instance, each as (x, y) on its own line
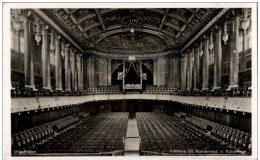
(17, 26)
(57, 39)
(45, 29)
(27, 15)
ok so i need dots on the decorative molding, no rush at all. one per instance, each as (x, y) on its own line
(234, 104)
(214, 20)
(136, 54)
(104, 35)
(163, 19)
(100, 19)
(43, 16)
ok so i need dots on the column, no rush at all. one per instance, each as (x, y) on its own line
(62, 60)
(196, 68)
(72, 68)
(141, 74)
(123, 76)
(177, 74)
(162, 72)
(244, 24)
(85, 72)
(190, 66)
(171, 81)
(101, 72)
(76, 76)
(91, 72)
(67, 68)
(234, 55)
(16, 42)
(155, 72)
(49, 72)
(217, 60)
(188, 74)
(243, 54)
(58, 79)
(184, 71)
(52, 50)
(82, 73)
(205, 69)
(45, 58)
(75, 72)
(109, 72)
(79, 71)
(28, 52)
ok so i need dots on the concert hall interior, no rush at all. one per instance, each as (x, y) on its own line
(131, 81)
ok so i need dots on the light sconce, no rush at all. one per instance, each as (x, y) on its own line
(200, 50)
(38, 36)
(52, 46)
(245, 21)
(211, 41)
(132, 30)
(225, 34)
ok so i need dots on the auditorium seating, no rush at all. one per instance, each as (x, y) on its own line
(174, 135)
(103, 90)
(94, 134)
(30, 137)
(234, 137)
(27, 92)
(159, 90)
(242, 91)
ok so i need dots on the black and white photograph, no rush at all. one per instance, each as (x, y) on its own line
(169, 80)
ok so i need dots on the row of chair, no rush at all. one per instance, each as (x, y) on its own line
(239, 91)
(104, 90)
(232, 136)
(94, 134)
(166, 134)
(29, 137)
(29, 92)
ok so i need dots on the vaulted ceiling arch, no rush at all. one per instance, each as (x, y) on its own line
(174, 26)
(106, 34)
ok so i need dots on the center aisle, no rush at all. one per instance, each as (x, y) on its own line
(132, 137)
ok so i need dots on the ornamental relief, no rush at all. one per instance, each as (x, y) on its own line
(129, 41)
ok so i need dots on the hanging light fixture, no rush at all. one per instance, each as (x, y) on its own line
(52, 46)
(225, 34)
(211, 41)
(38, 36)
(245, 21)
(62, 49)
(132, 30)
(17, 25)
(201, 49)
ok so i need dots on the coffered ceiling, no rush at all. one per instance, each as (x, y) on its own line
(131, 28)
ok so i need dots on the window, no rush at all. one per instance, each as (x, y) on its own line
(248, 61)
(13, 65)
(239, 65)
(38, 71)
(52, 74)
(225, 70)
(248, 64)
(22, 69)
